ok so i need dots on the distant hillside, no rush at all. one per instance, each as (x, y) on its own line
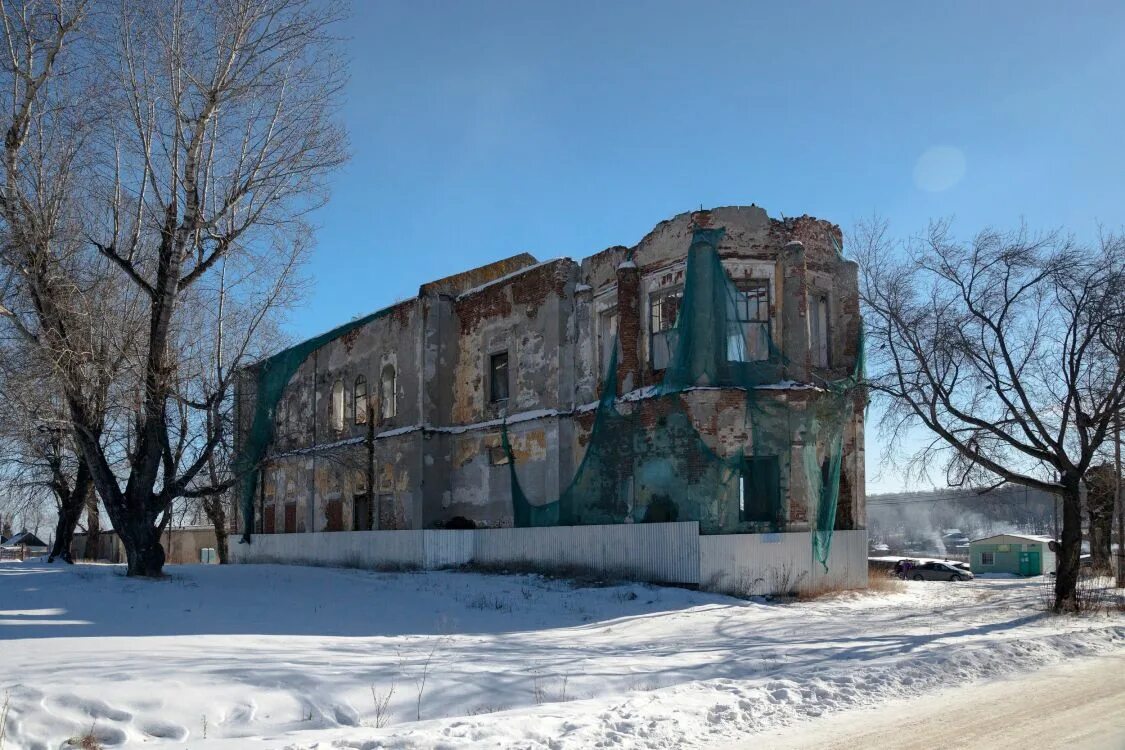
(915, 521)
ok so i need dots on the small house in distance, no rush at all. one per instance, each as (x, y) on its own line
(1019, 554)
(21, 546)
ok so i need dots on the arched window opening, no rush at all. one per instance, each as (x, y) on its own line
(388, 393)
(360, 400)
(281, 418)
(291, 417)
(338, 405)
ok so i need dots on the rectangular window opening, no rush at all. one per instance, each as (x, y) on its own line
(664, 309)
(759, 489)
(388, 395)
(498, 377)
(359, 401)
(819, 333)
(987, 558)
(750, 340)
(607, 337)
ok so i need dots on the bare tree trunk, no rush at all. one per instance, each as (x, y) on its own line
(69, 513)
(1070, 546)
(140, 537)
(93, 525)
(216, 512)
(71, 504)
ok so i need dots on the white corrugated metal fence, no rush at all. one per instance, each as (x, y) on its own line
(657, 552)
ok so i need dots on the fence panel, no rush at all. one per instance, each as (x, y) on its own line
(759, 564)
(361, 549)
(447, 548)
(657, 552)
(744, 564)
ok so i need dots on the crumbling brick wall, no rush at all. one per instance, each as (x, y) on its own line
(436, 457)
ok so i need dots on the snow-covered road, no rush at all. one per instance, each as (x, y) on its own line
(1075, 705)
(274, 656)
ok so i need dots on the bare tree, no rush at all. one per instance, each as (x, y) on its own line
(37, 451)
(227, 322)
(213, 132)
(1008, 348)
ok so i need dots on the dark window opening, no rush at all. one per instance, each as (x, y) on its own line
(334, 515)
(498, 377)
(361, 512)
(759, 489)
(845, 510)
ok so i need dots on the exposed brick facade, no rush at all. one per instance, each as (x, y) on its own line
(428, 365)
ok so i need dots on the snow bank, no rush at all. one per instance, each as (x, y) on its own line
(283, 656)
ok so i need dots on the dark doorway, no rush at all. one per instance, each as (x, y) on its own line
(361, 512)
(334, 515)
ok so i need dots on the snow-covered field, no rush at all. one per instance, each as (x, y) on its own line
(298, 657)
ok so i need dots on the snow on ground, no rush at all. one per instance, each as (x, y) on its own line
(1077, 704)
(298, 657)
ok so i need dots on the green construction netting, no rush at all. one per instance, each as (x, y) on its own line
(645, 460)
(271, 377)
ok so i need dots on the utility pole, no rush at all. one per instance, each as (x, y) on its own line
(371, 522)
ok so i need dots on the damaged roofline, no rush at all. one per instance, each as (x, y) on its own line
(440, 286)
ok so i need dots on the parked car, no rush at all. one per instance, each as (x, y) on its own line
(940, 571)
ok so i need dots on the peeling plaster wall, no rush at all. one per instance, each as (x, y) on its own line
(318, 480)
(524, 316)
(436, 458)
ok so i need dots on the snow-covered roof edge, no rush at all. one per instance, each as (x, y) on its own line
(1030, 537)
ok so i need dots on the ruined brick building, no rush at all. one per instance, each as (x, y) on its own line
(398, 420)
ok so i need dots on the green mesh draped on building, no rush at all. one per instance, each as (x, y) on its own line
(271, 376)
(645, 460)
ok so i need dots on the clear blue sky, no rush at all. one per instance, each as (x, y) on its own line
(483, 129)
